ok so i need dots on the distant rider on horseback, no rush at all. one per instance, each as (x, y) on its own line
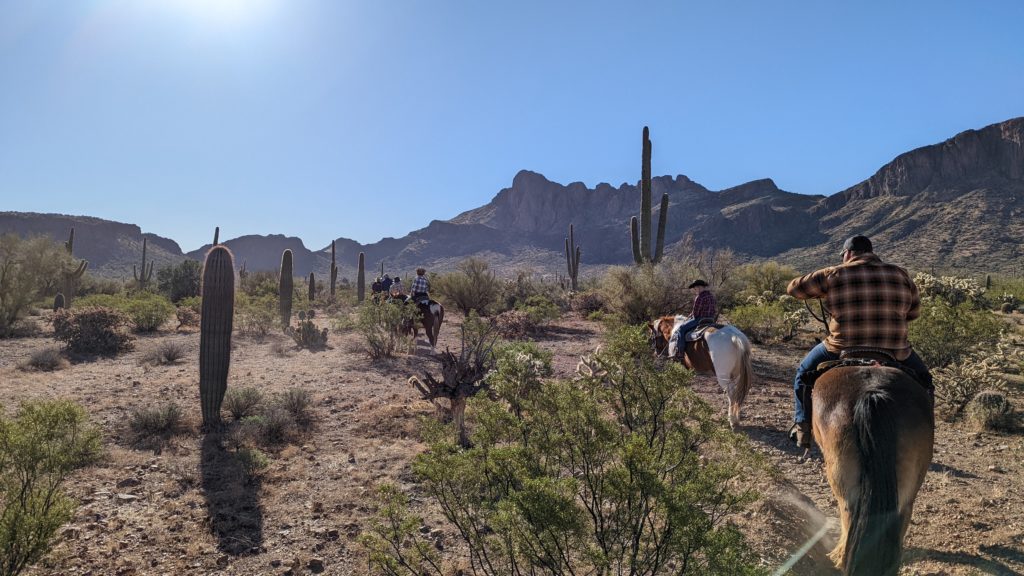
(704, 307)
(870, 303)
(420, 287)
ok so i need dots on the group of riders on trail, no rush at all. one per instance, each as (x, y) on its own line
(868, 304)
(388, 287)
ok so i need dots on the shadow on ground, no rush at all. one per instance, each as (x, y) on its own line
(232, 499)
(985, 565)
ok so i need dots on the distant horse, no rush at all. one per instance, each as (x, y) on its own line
(875, 427)
(431, 316)
(723, 351)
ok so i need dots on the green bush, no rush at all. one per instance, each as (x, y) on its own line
(472, 287)
(27, 267)
(181, 280)
(242, 402)
(161, 421)
(252, 462)
(298, 404)
(259, 283)
(256, 315)
(636, 294)
(946, 333)
(759, 277)
(149, 311)
(114, 301)
(382, 327)
(92, 330)
(626, 472)
(40, 447)
(768, 319)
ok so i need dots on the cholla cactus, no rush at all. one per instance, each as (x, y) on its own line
(953, 289)
(957, 384)
(990, 410)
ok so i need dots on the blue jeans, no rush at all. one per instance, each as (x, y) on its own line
(820, 354)
(680, 335)
(816, 356)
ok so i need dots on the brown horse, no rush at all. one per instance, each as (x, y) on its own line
(723, 351)
(875, 427)
(431, 316)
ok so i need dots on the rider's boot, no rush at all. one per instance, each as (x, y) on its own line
(800, 433)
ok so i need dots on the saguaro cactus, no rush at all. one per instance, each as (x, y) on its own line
(284, 289)
(58, 301)
(215, 332)
(640, 232)
(572, 258)
(71, 276)
(312, 288)
(334, 270)
(216, 236)
(361, 278)
(143, 276)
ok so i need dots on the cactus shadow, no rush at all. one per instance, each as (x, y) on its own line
(232, 499)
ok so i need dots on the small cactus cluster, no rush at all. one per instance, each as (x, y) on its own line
(307, 335)
(361, 278)
(990, 410)
(215, 332)
(640, 231)
(285, 288)
(572, 258)
(70, 276)
(143, 276)
(334, 270)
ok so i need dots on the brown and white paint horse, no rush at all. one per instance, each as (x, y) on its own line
(723, 352)
(875, 428)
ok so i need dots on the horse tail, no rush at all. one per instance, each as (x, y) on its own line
(874, 539)
(746, 373)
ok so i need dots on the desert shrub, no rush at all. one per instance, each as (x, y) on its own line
(519, 370)
(473, 286)
(769, 319)
(45, 360)
(162, 421)
(586, 303)
(92, 330)
(514, 325)
(953, 290)
(252, 462)
(540, 309)
(40, 447)
(89, 285)
(26, 267)
(306, 334)
(187, 317)
(759, 277)
(149, 311)
(298, 404)
(273, 425)
(165, 353)
(256, 315)
(990, 410)
(381, 326)
(242, 402)
(945, 333)
(980, 368)
(626, 472)
(181, 280)
(114, 301)
(637, 294)
(1007, 307)
(259, 283)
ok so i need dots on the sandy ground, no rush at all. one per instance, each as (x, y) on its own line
(148, 513)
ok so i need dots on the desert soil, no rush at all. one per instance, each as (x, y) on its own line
(144, 512)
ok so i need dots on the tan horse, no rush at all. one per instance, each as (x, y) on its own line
(723, 352)
(875, 428)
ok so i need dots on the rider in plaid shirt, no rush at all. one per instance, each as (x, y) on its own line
(420, 286)
(871, 303)
(704, 306)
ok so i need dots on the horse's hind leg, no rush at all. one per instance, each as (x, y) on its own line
(842, 471)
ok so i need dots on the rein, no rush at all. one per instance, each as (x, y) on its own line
(824, 315)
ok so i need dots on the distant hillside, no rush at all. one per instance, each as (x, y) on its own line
(956, 204)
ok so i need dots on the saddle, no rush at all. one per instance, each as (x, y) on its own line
(695, 354)
(702, 326)
(861, 356)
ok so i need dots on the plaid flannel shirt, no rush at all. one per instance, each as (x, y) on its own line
(420, 284)
(870, 301)
(704, 305)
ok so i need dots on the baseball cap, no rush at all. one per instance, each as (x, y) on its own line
(857, 244)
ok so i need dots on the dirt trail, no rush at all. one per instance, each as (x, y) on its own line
(145, 513)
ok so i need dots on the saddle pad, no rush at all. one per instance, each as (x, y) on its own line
(698, 332)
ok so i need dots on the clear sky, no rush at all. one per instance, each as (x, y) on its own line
(367, 119)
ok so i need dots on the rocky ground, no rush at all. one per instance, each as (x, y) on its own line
(146, 512)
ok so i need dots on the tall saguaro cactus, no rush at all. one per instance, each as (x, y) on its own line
(143, 276)
(334, 270)
(284, 289)
(215, 332)
(572, 258)
(312, 288)
(640, 232)
(361, 278)
(71, 276)
(216, 236)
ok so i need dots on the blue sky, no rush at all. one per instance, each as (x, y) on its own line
(332, 118)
